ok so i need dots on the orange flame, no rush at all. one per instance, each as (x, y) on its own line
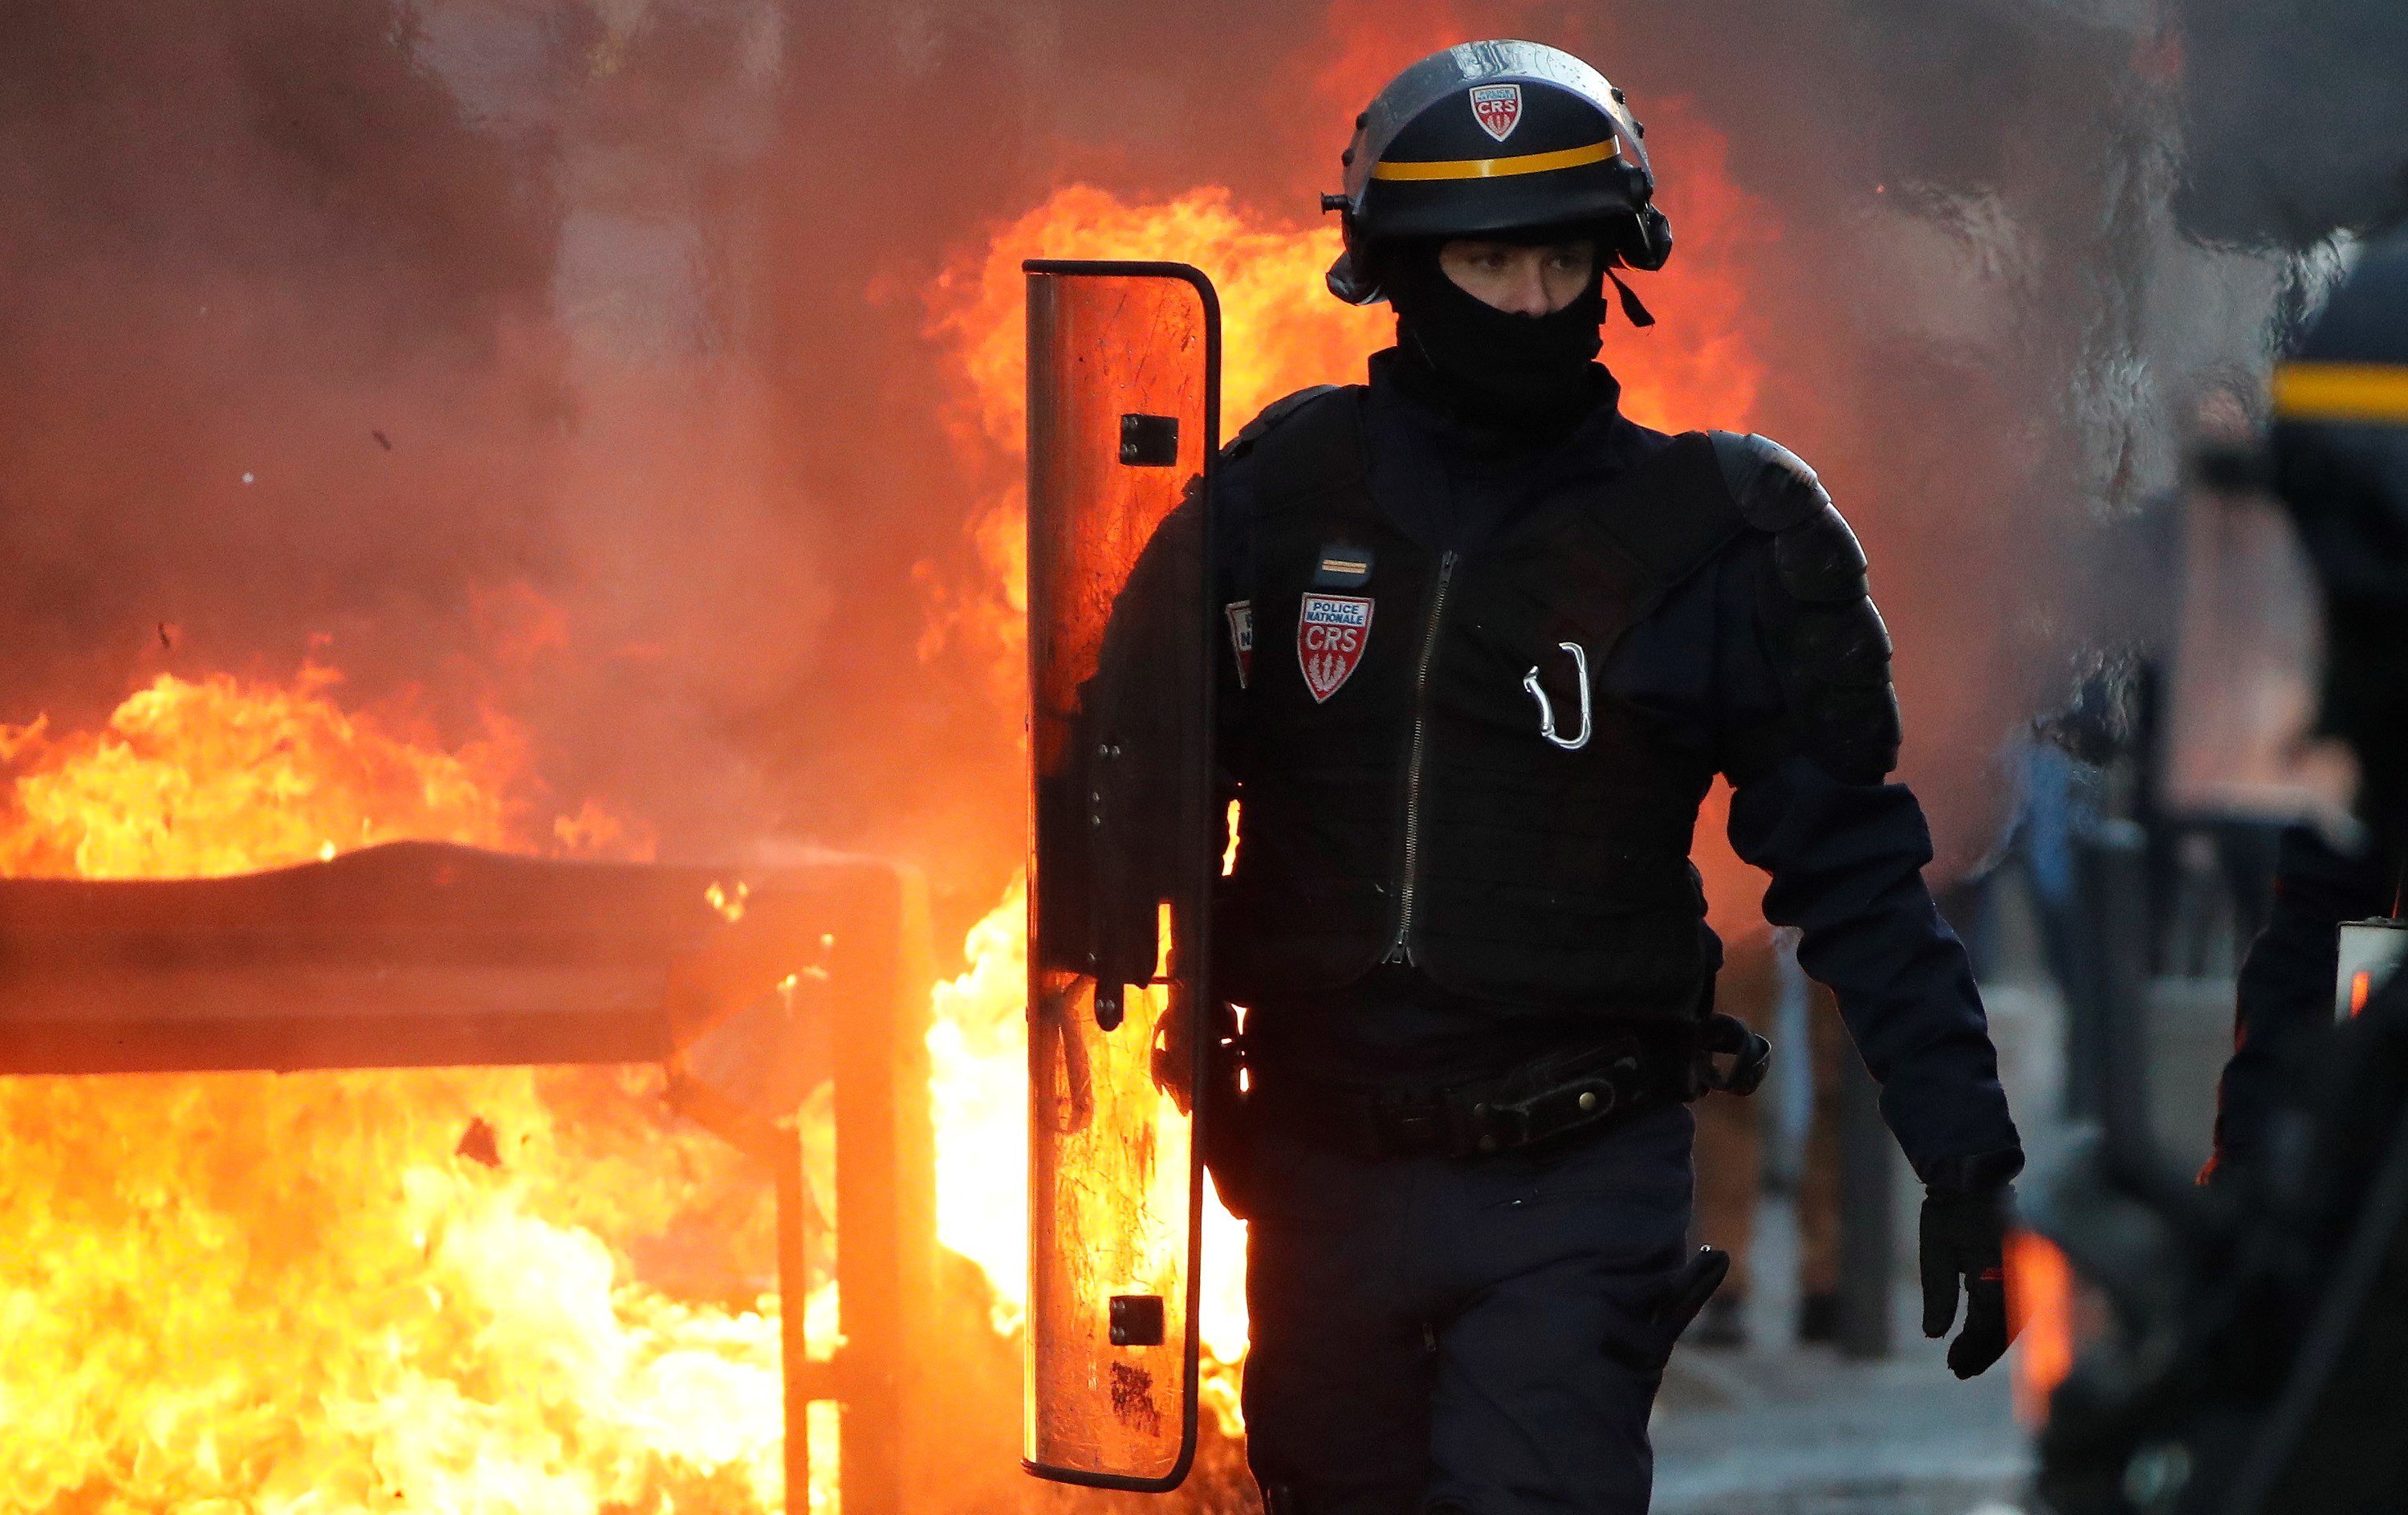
(348, 1292)
(198, 780)
(1281, 329)
(1370, 42)
(2041, 1309)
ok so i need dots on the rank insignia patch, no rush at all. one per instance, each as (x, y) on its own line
(1331, 632)
(1498, 107)
(1242, 636)
(1341, 567)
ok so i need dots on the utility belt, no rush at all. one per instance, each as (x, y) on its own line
(1588, 1088)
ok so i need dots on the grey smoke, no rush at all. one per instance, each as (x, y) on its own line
(2296, 118)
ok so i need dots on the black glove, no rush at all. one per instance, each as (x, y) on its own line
(1964, 1236)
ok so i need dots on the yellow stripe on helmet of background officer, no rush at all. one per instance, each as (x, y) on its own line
(2343, 392)
(1533, 162)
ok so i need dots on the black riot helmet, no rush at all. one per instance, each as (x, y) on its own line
(1495, 137)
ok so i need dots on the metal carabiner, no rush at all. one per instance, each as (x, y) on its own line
(1547, 710)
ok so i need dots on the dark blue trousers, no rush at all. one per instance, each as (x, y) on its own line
(1463, 1333)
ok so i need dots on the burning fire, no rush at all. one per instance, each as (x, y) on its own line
(448, 1289)
(2042, 1306)
(198, 780)
(418, 1290)
(1283, 331)
(978, 1045)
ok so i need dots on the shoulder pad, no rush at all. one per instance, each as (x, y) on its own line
(1271, 415)
(1835, 650)
(1821, 561)
(1772, 486)
(1818, 557)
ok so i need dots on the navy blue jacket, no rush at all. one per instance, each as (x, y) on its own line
(1846, 859)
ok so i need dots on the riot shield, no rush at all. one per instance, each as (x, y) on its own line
(1123, 377)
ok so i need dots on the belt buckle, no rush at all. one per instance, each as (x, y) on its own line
(1552, 1112)
(1502, 1124)
(1411, 1122)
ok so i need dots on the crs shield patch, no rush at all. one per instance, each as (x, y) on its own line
(1331, 632)
(1242, 636)
(1497, 107)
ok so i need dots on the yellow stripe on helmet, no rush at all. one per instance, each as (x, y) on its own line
(2341, 392)
(1533, 162)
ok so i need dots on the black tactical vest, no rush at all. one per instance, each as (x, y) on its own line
(1430, 766)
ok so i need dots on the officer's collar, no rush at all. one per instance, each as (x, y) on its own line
(1425, 395)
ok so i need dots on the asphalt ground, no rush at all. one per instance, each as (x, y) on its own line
(1802, 1431)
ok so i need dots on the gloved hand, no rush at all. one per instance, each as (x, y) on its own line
(1964, 1239)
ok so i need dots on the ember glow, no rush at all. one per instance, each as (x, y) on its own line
(2042, 1311)
(414, 1290)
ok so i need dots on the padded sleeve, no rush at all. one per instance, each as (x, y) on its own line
(1832, 649)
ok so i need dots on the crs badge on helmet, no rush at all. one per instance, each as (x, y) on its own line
(1498, 107)
(1425, 160)
(1123, 374)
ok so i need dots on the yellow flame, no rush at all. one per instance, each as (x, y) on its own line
(351, 1292)
(978, 1045)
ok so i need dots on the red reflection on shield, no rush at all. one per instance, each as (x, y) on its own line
(1331, 632)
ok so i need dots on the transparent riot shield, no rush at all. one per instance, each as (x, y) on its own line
(1123, 377)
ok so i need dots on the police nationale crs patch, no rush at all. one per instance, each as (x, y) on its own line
(1331, 632)
(1242, 636)
(1497, 107)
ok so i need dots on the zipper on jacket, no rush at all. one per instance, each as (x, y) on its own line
(1401, 949)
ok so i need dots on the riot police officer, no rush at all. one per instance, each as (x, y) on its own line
(1490, 642)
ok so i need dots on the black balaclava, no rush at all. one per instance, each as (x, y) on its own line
(1522, 377)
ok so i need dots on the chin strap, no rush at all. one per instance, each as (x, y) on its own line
(1632, 310)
